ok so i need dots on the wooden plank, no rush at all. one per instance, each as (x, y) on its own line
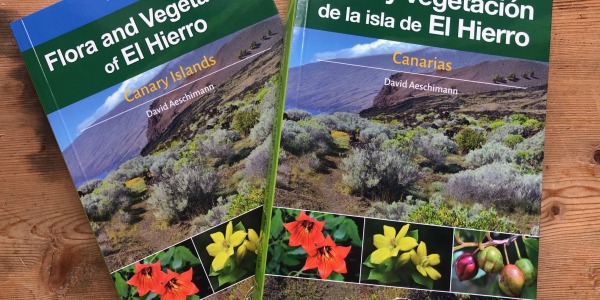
(47, 250)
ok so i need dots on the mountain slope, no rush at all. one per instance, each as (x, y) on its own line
(324, 87)
(103, 148)
(483, 72)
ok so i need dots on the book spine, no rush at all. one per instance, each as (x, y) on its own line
(261, 260)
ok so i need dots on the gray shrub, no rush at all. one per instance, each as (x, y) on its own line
(491, 152)
(190, 187)
(387, 171)
(499, 185)
(263, 129)
(305, 137)
(500, 133)
(297, 115)
(435, 146)
(257, 163)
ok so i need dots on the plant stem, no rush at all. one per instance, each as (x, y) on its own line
(491, 242)
(506, 255)
(517, 247)
(458, 239)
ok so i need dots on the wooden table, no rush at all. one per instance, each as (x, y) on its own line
(47, 250)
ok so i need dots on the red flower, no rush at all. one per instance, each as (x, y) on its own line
(327, 257)
(177, 286)
(305, 231)
(148, 277)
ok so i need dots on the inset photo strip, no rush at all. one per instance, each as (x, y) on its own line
(315, 245)
(228, 251)
(495, 264)
(407, 255)
(174, 273)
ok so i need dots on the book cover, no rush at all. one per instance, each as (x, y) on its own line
(163, 112)
(411, 151)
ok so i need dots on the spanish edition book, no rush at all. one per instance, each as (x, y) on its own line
(163, 112)
(411, 150)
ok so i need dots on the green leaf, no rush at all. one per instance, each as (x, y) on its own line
(368, 262)
(532, 247)
(151, 296)
(239, 227)
(187, 256)
(352, 231)
(383, 277)
(386, 265)
(213, 273)
(177, 263)
(276, 224)
(422, 280)
(297, 251)
(121, 286)
(194, 297)
(340, 234)
(529, 292)
(165, 257)
(332, 222)
(290, 261)
(231, 277)
(336, 276)
(479, 235)
(414, 234)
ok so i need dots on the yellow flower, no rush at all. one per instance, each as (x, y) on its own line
(222, 248)
(404, 258)
(253, 241)
(389, 244)
(251, 244)
(425, 263)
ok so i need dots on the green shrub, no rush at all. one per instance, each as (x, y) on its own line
(242, 203)
(496, 124)
(244, 120)
(518, 118)
(468, 139)
(462, 216)
(512, 140)
(533, 124)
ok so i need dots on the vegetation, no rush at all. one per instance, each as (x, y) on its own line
(446, 169)
(187, 185)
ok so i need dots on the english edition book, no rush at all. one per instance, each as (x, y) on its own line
(163, 112)
(411, 151)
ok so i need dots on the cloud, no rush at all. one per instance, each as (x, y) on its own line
(117, 97)
(375, 48)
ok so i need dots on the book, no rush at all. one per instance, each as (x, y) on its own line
(163, 112)
(411, 150)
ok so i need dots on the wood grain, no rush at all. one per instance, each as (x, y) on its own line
(47, 249)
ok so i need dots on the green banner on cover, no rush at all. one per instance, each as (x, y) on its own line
(518, 28)
(131, 41)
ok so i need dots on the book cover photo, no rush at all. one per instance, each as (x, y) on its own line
(411, 151)
(163, 112)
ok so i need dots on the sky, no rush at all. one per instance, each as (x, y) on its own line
(310, 45)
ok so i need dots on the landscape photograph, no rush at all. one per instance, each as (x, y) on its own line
(151, 173)
(353, 143)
